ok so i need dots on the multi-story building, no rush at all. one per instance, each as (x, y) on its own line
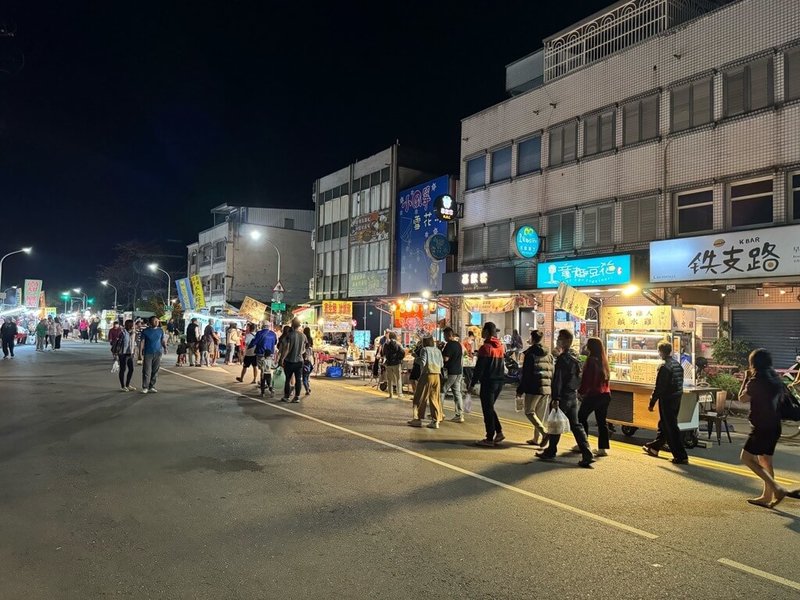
(652, 120)
(241, 254)
(356, 224)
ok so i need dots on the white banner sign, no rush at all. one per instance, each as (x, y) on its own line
(757, 253)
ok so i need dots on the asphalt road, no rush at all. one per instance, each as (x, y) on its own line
(204, 492)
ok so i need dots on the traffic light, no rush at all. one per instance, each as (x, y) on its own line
(65, 296)
(90, 301)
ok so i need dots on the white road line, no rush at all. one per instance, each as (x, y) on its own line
(495, 482)
(759, 573)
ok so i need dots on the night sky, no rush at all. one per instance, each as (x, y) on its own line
(133, 119)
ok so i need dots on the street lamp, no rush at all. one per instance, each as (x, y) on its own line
(78, 291)
(256, 235)
(65, 296)
(25, 250)
(107, 284)
(154, 267)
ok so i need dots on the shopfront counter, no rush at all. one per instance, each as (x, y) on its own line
(630, 402)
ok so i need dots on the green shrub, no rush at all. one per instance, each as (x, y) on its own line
(730, 352)
(725, 381)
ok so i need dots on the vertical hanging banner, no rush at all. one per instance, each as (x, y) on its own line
(33, 291)
(185, 296)
(197, 292)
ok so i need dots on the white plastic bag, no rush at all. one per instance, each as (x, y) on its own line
(556, 422)
(115, 367)
(468, 403)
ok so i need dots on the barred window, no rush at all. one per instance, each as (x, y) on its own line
(640, 120)
(748, 87)
(692, 105)
(751, 203)
(695, 211)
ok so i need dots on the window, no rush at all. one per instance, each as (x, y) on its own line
(792, 74)
(751, 203)
(383, 250)
(529, 155)
(561, 232)
(205, 255)
(695, 211)
(336, 230)
(795, 198)
(219, 250)
(288, 223)
(748, 87)
(473, 244)
(563, 143)
(639, 220)
(598, 226)
(501, 164)
(498, 242)
(640, 120)
(691, 105)
(476, 172)
(599, 132)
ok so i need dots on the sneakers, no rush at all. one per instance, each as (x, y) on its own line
(433, 425)
(295, 400)
(499, 438)
(485, 443)
(415, 423)
(586, 463)
(153, 390)
(144, 391)
(308, 392)
(601, 452)
(131, 388)
(680, 461)
(284, 399)
(650, 451)
(124, 389)
(457, 419)
(545, 456)
(240, 380)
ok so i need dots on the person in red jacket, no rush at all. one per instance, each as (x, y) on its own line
(595, 393)
(490, 372)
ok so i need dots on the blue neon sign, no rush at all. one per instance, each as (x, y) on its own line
(585, 272)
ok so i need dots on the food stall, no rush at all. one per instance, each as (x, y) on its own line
(631, 336)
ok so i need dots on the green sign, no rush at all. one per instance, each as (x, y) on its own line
(278, 306)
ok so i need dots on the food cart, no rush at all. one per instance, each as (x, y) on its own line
(632, 334)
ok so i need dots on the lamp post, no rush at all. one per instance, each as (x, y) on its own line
(107, 284)
(154, 267)
(65, 296)
(25, 250)
(78, 291)
(256, 235)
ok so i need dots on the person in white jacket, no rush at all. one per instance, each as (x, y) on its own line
(428, 389)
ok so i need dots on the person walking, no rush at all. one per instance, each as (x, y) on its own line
(83, 328)
(211, 338)
(470, 353)
(192, 339)
(51, 333)
(595, 393)
(490, 373)
(308, 360)
(292, 347)
(566, 380)
(152, 346)
(124, 345)
(393, 355)
(668, 393)
(8, 333)
(535, 384)
(453, 354)
(41, 335)
(249, 359)
(93, 328)
(517, 344)
(59, 333)
(428, 390)
(762, 388)
(114, 333)
(231, 342)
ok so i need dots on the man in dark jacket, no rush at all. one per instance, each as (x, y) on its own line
(668, 393)
(393, 355)
(9, 334)
(490, 372)
(537, 378)
(566, 380)
(453, 353)
(192, 339)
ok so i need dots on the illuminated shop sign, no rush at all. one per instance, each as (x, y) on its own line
(585, 272)
(526, 242)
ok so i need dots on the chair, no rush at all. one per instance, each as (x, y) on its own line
(719, 416)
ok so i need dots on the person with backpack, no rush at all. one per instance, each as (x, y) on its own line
(393, 355)
(595, 393)
(535, 384)
(566, 380)
(668, 393)
(763, 389)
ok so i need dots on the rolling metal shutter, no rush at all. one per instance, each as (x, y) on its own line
(776, 330)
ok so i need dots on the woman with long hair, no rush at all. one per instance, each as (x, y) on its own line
(763, 389)
(595, 393)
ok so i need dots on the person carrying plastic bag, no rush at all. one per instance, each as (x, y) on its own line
(566, 380)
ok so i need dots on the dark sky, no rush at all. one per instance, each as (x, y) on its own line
(132, 119)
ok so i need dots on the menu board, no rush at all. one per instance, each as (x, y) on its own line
(636, 318)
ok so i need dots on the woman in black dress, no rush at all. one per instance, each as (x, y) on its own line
(763, 389)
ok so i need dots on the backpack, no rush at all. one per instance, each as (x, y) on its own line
(788, 405)
(116, 347)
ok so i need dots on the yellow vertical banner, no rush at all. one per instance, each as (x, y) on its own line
(197, 292)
